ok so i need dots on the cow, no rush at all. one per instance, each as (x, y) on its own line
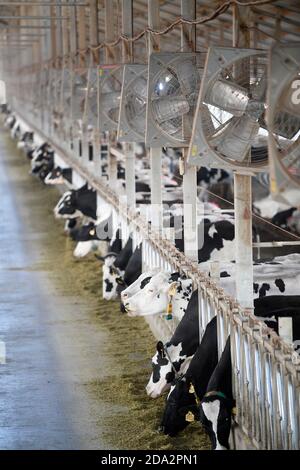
(10, 121)
(181, 404)
(92, 236)
(43, 167)
(278, 276)
(132, 272)
(164, 294)
(60, 176)
(26, 141)
(177, 353)
(217, 404)
(217, 240)
(77, 203)
(113, 268)
(208, 176)
(15, 131)
(136, 286)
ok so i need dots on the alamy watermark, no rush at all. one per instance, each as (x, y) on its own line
(295, 97)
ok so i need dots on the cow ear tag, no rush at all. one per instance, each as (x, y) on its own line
(234, 411)
(92, 232)
(191, 389)
(169, 315)
(190, 417)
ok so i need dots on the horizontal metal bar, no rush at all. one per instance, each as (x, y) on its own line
(274, 244)
(11, 26)
(34, 17)
(45, 4)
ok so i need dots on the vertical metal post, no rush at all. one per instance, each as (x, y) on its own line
(94, 61)
(53, 34)
(110, 59)
(82, 43)
(188, 44)
(127, 57)
(242, 191)
(155, 152)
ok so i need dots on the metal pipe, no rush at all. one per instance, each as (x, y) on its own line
(34, 17)
(46, 4)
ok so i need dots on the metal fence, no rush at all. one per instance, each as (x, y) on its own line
(266, 370)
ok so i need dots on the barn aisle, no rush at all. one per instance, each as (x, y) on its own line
(53, 348)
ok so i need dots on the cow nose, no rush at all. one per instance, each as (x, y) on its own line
(161, 429)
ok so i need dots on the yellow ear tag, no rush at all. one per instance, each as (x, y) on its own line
(190, 417)
(191, 390)
(169, 315)
(92, 232)
(172, 290)
(234, 411)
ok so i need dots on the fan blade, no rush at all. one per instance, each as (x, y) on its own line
(169, 107)
(236, 138)
(228, 96)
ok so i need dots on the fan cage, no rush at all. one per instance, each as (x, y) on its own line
(287, 148)
(173, 91)
(243, 114)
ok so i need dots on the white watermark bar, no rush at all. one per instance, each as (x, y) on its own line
(2, 352)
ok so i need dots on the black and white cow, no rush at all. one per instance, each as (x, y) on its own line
(113, 268)
(77, 203)
(26, 141)
(10, 121)
(132, 271)
(93, 236)
(217, 404)
(209, 176)
(16, 131)
(60, 176)
(165, 293)
(278, 277)
(177, 353)
(187, 390)
(43, 168)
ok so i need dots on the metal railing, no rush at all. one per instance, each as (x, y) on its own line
(266, 370)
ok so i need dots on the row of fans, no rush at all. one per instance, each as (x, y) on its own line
(232, 107)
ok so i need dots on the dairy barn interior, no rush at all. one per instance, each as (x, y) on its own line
(150, 225)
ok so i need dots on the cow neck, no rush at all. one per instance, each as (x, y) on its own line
(176, 373)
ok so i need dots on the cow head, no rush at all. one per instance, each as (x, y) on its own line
(215, 416)
(87, 240)
(135, 287)
(66, 206)
(155, 297)
(164, 367)
(180, 403)
(55, 177)
(111, 276)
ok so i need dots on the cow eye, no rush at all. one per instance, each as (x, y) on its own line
(150, 291)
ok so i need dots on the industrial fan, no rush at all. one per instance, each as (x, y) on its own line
(229, 129)
(283, 114)
(173, 87)
(132, 119)
(110, 86)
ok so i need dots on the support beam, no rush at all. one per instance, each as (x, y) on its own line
(155, 152)
(110, 58)
(188, 44)
(243, 191)
(94, 61)
(127, 57)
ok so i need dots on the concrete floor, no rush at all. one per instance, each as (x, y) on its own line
(50, 357)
